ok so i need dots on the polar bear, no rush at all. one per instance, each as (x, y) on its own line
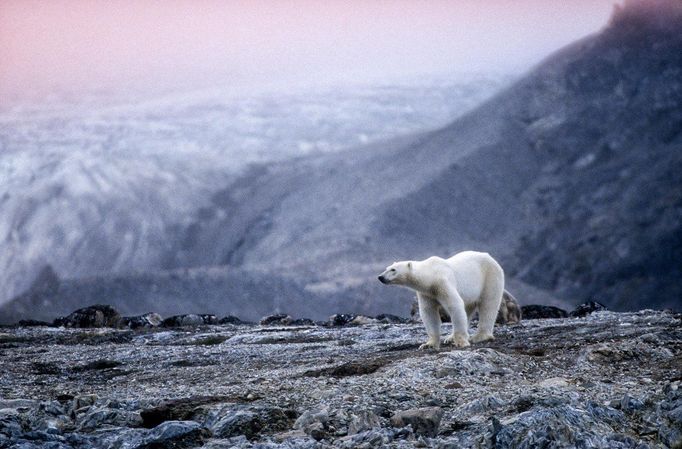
(460, 285)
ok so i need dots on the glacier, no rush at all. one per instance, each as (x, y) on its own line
(104, 186)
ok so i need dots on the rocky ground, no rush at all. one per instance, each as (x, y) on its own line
(607, 380)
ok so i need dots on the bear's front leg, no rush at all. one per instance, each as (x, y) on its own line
(428, 310)
(454, 306)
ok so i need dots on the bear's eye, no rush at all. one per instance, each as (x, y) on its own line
(392, 270)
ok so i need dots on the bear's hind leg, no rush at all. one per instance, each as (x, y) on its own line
(488, 307)
(428, 309)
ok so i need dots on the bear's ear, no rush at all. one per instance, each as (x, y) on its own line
(409, 265)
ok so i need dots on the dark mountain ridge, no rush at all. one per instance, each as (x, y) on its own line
(572, 178)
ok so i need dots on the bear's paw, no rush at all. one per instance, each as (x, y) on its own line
(481, 336)
(458, 340)
(430, 344)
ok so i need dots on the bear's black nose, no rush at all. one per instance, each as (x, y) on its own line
(382, 279)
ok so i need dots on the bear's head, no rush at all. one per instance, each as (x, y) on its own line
(398, 273)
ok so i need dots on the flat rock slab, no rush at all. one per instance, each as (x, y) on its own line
(424, 421)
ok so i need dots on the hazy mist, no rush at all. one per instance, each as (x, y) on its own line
(71, 45)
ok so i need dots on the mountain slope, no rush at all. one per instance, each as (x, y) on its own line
(572, 177)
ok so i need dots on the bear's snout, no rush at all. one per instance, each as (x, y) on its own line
(383, 279)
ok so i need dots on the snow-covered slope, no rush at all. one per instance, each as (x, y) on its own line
(107, 186)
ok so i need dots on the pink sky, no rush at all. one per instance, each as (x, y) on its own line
(81, 44)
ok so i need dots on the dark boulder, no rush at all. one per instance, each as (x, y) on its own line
(99, 364)
(587, 308)
(176, 410)
(250, 421)
(189, 320)
(147, 320)
(669, 413)
(281, 319)
(238, 422)
(231, 319)
(98, 315)
(424, 421)
(176, 435)
(285, 320)
(350, 368)
(510, 310)
(33, 323)
(97, 417)
(341, 319)
(537, 311)
(209, 319)
(314, 422)
(363, 421)
(302, 322)
(562, 426)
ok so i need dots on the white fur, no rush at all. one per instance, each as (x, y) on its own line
(462, 284)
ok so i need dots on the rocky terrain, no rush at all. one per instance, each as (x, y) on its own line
(606, 380)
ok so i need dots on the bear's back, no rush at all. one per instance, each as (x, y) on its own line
(470, 268)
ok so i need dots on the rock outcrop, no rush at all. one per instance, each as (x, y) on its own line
(98, 315)
(536, 311)
(150, 319)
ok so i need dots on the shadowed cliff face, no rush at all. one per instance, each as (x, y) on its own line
(609, 194)
(607, 380)
(580, 190)
(572, 178)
